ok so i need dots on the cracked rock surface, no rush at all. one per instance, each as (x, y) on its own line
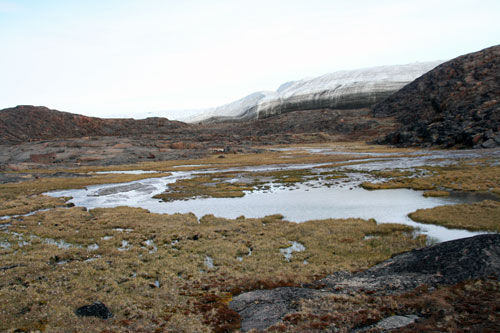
(445, 263)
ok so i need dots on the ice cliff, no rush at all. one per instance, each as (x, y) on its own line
(352, 89)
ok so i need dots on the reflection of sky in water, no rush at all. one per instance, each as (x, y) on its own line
(298, 204)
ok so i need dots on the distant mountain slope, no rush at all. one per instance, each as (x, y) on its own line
(352, 89)
(25, 123)
(455, 104)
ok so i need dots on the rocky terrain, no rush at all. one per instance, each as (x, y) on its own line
(442, 264)
(174, 140)
(27, 123)
(457, 104)
(353, 89)
(453, 105)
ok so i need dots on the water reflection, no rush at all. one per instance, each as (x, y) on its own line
(301, 203)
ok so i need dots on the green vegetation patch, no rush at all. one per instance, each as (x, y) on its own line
(483, 215)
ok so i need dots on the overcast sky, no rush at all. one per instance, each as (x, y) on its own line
(125, 57)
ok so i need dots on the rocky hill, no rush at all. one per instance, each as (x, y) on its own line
(353, 89)
(27, 123)
(457, 104)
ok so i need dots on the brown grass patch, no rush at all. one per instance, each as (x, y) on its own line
(47, 283)
(436, 194)
(483, 215)
(471, 176)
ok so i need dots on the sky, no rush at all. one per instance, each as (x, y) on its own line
(129, 58)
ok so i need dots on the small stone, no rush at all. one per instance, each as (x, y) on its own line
(396, 322)
(490, 143)
(97, 309)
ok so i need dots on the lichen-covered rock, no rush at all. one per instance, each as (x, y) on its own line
(457, 104)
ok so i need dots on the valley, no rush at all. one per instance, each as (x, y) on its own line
(298, 210)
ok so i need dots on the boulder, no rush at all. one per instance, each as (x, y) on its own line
(97, 309)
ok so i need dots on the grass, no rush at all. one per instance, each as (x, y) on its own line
(150, 270)
(483, 215)
(436, 194)
(473, 175)
(205, 186)
(234, 184)
(23, 204)
(47, 283)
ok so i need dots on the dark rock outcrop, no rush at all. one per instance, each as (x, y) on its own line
(27, 123)
(97, 309)
(446, 263)
(457, 104)
(441, 264)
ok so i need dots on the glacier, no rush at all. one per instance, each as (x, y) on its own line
(348, 89)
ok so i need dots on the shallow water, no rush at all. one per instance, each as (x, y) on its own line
(127, 172)
(308, 201)
(300, 203)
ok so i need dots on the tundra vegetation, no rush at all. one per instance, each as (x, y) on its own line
(178, 272)
(151, 270)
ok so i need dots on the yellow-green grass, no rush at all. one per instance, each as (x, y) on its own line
(23, 204)
(41, 285)
(483, 215)
(471, 176)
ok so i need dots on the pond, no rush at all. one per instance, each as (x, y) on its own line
(303, 202)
